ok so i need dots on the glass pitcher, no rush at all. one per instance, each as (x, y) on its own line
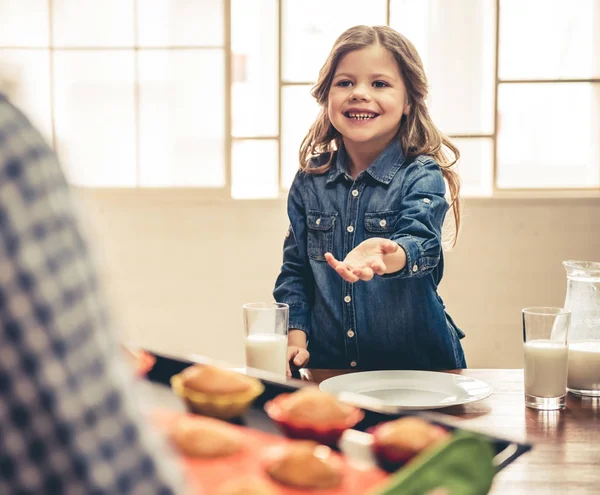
(583, 299)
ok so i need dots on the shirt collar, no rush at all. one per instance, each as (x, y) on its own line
(383, 169)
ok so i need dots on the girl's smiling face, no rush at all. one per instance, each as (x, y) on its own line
(367, 98)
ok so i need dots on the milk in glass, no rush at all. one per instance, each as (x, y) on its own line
(267, 351)
(545, 368)
(584, 367)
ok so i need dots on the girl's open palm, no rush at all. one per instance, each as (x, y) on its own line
(365, 260)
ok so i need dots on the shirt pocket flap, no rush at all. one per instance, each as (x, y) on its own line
(381, 221)
(317, 220)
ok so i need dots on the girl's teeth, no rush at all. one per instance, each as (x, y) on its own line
(361, 116)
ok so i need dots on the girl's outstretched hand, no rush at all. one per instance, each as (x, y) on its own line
(296, 355)
(375, 256)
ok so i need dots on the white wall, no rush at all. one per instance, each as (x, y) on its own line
(178, 267)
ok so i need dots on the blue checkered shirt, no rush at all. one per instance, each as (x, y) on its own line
(69, 419)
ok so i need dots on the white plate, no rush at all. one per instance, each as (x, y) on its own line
(410, 389)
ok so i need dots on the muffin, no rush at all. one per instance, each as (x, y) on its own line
(312, 414)
(398, 441)
(310, 405)
(305, 464)
(251, 486)
(205, 437)
(216, 392)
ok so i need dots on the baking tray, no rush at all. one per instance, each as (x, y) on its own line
(211, 475)
(506, 450)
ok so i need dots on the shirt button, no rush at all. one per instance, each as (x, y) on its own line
(415, 268)
(355, 192)
(426, 201)
(350, 228)
(347, 299)
(350, 333)
(318, 222)
(382, 223)
(353, 364)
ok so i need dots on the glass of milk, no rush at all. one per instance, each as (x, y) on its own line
(266, 327)
(545, 333)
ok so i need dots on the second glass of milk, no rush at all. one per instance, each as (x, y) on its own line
(545, 332)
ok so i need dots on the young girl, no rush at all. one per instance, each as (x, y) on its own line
(371, 192)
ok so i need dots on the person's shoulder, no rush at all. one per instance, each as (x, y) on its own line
(6, 105)
(423, 170)
(422, 164)
(7, 109)
(12, 120)
(21, 142)
(419, 161)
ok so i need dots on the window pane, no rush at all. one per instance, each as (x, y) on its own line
(475, 166)
(180, 23)
(182, 122)
(254, 173)
(27, 76)
(255, 88)
(548, 135)
(549, 39)
(299, 112)
(310, 28)
(24, 23)
(94, 116)
(412, 19)
(93, 23)
(456, 43)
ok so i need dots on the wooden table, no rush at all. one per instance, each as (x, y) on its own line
(566, 454)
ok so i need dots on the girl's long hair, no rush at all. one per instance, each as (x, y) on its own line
(417, 133)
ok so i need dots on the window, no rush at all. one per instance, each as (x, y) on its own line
(549, 95)
(130, 93)
(216, 94)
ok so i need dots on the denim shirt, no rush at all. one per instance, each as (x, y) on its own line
(396, 321)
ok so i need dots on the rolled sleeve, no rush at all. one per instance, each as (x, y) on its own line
(294, 283)
(419, 229)
(299, 318)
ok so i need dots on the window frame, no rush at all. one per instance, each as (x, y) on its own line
(496, 192)
(224, 192)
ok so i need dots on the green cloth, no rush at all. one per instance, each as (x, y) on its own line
(461, 466)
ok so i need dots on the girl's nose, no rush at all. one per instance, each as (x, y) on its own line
(359, 94)
(357, 97)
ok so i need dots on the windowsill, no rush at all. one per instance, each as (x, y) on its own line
(536, 196)
(222, 196)
(171, 195)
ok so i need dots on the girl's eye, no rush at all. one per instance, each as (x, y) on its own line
(343, 84)
(380, 84)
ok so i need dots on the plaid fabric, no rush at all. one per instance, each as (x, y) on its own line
(68, 417)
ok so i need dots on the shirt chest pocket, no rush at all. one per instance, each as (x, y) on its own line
(320, 233)
(381, 223)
